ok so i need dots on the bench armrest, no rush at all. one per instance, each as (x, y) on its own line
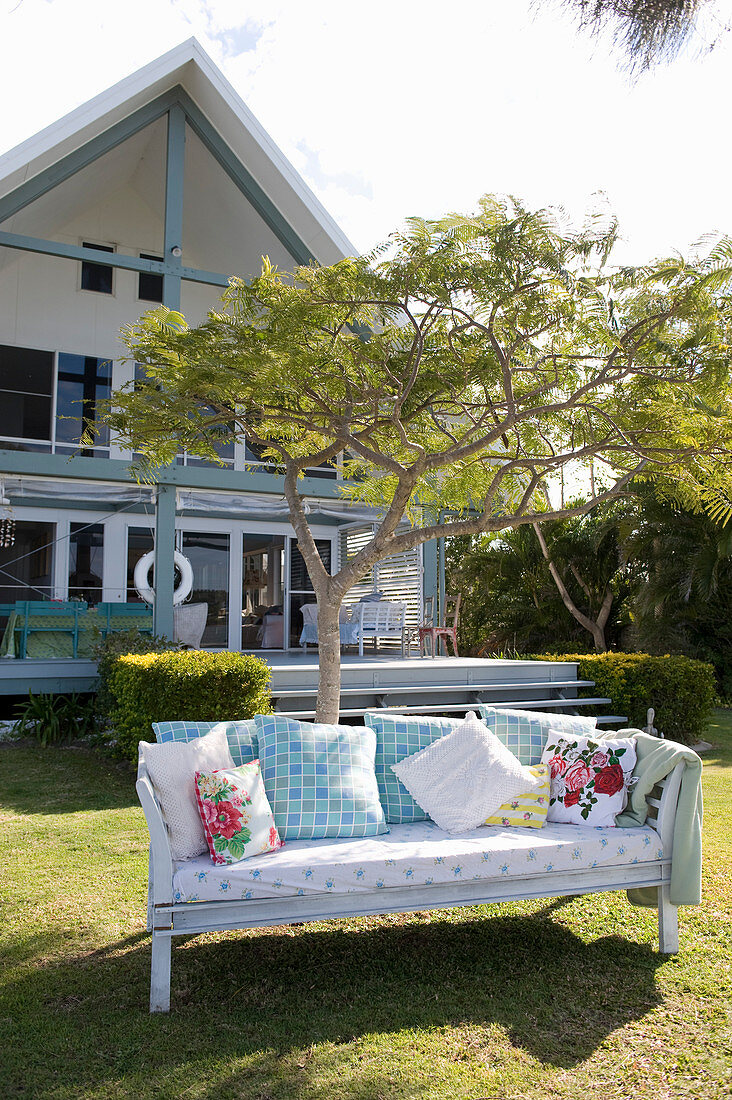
(662, 810)
(161, 860)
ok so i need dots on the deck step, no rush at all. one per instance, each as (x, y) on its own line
(403, 689)
(441, 708)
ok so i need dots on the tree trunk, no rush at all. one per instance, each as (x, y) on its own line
(596, 629)
(328, 705)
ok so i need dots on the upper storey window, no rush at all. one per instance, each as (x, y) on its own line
(149, 286)
(97, 277)
(47, 401)
(26, 393)
(83, 381)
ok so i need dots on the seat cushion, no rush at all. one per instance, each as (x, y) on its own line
(419, 854)
(319, 778)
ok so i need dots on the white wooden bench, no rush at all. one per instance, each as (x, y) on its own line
(168, 918)
(378, 619)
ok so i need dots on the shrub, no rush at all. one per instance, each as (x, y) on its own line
(190, 686)
(106, 652)
(681, 690)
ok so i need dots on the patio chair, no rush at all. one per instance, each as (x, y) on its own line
(416, 633)
(447, 629)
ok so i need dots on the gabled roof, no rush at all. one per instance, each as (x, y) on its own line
(189, 67)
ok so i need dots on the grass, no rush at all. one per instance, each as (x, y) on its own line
(566, 998)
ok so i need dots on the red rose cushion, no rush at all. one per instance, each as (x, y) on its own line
(589, 778)
(235, 813)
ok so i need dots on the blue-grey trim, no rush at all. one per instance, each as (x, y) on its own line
(190, 477)
(173, 235)
(245, 181)
(164, 563)
(86, 154)
(441, 578)
(111, 259)
(430, 572)
(176, 97)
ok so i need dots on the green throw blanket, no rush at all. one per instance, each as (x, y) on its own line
(656, 758)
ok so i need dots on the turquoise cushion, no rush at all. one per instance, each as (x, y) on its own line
(241, 735)
(398, 736)
(319, 778)
(524, 732)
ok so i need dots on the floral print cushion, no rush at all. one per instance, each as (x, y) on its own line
(589, 779)
(235, 812)
(527, 810)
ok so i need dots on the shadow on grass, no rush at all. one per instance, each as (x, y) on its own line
(73, 778)
(255, 999)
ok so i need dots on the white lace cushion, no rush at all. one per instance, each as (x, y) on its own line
(464, 777)
(172, 768)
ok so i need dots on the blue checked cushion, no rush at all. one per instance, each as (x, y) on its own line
(399, 736)
(524, 732)
(319, 778)
(241, 735)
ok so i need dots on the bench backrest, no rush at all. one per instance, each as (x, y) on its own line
(380, 617)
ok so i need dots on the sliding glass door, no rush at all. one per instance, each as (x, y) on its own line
(208, 553)
(263, 592)
(301, 587)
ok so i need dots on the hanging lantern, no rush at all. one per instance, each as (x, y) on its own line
(7, 533)
(7, 522)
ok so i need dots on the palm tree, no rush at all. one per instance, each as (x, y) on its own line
(685, 602)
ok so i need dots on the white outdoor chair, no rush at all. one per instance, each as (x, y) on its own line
(382, 619)
(189, 623)
(309, 634)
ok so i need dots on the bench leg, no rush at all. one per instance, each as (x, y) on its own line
(160, 973)
(668, 923)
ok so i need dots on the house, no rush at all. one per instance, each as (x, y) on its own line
(155, 191)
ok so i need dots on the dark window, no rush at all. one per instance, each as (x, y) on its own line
(139, 541)
(299, 576)
(26, 567)
(150, 287)
(26, 388)
(301, 587)
(82, 382)
(86, 553)
(96, 277)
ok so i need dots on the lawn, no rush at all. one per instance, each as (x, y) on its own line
(565, 998)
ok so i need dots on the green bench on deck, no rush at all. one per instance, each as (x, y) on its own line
(44, 629)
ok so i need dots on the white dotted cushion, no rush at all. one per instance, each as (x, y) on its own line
(172, 767)
(464, 777)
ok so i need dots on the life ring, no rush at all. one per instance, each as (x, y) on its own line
(142, 578)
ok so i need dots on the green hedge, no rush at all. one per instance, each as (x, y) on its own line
(680, 689)
(189, 686)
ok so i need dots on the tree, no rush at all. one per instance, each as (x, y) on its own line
(455, 373)
(684, 604)
(548, 593)
(645, 31)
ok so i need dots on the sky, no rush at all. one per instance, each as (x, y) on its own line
(411, 107)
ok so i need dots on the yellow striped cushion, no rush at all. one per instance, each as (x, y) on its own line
(526, 809)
